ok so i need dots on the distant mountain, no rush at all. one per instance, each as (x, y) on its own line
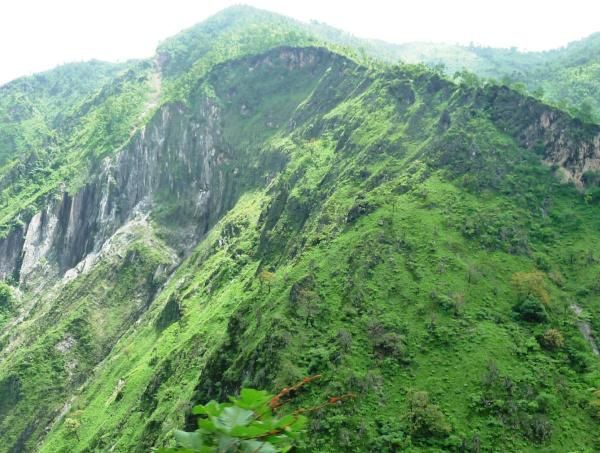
(265, 200)
(566, 77)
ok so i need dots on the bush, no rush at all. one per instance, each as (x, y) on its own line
(390, 344)
(595, 404)
(539, 429)
(251, 423)
(552, 339)
(425, 418)
(531, 310)
(530, 284)
(6, 296)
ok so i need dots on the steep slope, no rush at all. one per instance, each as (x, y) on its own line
(289, 211)
(93, 128)
(32, 107)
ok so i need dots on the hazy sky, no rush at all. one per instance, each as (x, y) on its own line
(39, 34)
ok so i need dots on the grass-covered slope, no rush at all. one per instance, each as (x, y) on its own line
(390, 230)
(57, 126)
(409, 245)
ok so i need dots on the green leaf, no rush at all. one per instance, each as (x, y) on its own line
(252, 399)
(212, 408)
(254, 430)
(207, 424)
(227, 444)
(189, 440)
(255, 446)
(235, 416)
(287, 420)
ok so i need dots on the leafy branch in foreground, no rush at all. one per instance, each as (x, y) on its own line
(249, 423)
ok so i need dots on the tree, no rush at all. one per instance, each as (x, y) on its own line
(6, 296)
(465, 77)
(266, 278)
(585, 112)
(530, 284)
(310, 307)
(425, 418)
(538, 92)
(390, 344)
(531, 310)
(595, 403)
(552, 339)
(72, 426)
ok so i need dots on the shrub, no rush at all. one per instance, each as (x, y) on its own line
(552, 339)
(539, 428)
(595, 404)
(252, 422)
(530, 284)
(266, 278)
(531, 310)
(72, 426)
(6, 296)
(557, 278)
(425, 418)
(344, 340)
(390, 344)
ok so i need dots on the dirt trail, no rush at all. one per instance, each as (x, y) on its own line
(155, 91)
(153, 101)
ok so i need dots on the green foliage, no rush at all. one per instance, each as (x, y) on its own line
(425, 419)
(248, 423)
(531, 309)
(595, 403)
(32, 108)
(530, 285)
(566, 77)
(6, 296)
(391, 209)
(553, 339)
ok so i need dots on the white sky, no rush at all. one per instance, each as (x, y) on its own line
(36, 35)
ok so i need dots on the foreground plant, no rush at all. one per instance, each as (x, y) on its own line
(249, 423)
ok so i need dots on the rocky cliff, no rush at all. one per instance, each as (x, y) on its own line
(176, 153)
(558, 138)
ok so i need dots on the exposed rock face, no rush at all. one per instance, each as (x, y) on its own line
(176, 155)
(578, 155)
(11, 248)
(560, 139)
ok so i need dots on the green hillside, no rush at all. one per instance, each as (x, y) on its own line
(33, 107)
(566, 77)
(263, 202)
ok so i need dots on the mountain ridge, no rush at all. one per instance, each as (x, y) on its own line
(287, 210)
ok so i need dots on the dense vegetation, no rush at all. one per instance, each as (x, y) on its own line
(383, 226)
(566, 77)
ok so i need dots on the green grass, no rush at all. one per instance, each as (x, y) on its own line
(393, 209)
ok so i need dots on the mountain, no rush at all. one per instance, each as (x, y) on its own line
(566, 77)
(258, 204)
